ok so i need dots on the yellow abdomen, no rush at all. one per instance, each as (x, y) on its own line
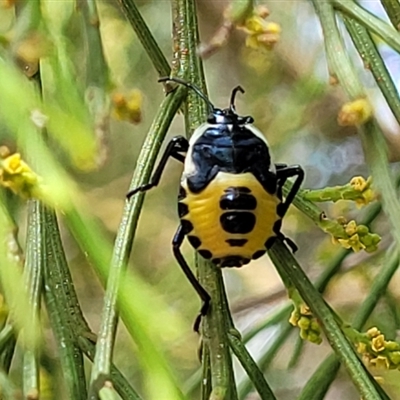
(231, 220)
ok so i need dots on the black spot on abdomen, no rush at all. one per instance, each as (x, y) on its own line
(237, 198)
(238, 222)
(236, 242)
(183, 209)
(194, 241)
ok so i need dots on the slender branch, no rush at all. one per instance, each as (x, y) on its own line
(373, 61)
(370, 21)
(33, 280)
(147, 40)
(392, 8)
(250, 367)
(215, 325)
(58, 311)
(123, 241)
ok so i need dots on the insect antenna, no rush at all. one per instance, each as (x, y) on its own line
(190, 86)
(233, 95)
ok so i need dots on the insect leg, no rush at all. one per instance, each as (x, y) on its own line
(205, 297)
(177, 145)
(283, 174)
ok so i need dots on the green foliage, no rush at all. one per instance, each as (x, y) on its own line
(62, 77)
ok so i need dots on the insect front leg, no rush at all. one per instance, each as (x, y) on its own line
(176, 146)
(205, 297)
(283, 173)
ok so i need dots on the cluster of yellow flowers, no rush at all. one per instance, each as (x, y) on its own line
(309, 327)
(260, 33)
(379, 352)
(17, 175)
(358, 238)
(128, 107)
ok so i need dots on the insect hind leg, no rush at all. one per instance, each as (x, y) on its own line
(205, 297)
(279, 235)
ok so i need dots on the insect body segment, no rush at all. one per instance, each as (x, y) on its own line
(230, 220)
(230, 202)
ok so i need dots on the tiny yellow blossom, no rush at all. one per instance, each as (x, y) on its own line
(260, 32)
(353, 242)
(380, 362)
(351, 228)
(294, 317)
(355, 113)
(378, 343)
(305, 310)
(128, 107)
(16, 175)
(358, 183)
(373, 332)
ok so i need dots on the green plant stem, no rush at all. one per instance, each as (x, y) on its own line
(123, 241)
(318, 385)
(376, 155)
(392, 8)
(246, 385)
(96, 67)
(215, 325)
(59, 314)
(286, 264)
(337, 58)
(206, 387)
(250, 366)
(373, 61)
(378, 288)
(119, 381)
(147, 40)
(6, 334)
(33, 281)
(83, 336)
(372, 23)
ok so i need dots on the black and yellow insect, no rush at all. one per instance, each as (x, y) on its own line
(230, 200)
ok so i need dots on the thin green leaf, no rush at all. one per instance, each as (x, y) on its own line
(373, 61)
(146, 38)
(392, 8)
(59, 313)
(123, 245)
(370, 21)
(250, 367)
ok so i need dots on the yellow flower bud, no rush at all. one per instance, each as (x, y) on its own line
(373, 332)
(355, 113)
(380, 362)
(378, 343)
(358, 183)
